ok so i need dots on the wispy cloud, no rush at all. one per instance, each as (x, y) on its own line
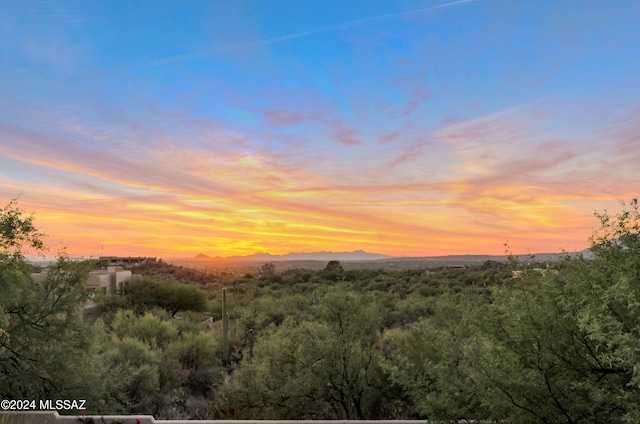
(389, 135)
(274, 40)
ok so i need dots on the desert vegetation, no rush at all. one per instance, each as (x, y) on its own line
(448, 344)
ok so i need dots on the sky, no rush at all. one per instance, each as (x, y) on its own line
(401, 127)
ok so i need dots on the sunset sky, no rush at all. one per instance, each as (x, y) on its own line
(402, 127)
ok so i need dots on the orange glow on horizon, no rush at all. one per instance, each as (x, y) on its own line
(445, 132)
(165, 230)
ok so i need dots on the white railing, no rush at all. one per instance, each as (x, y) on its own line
(52, 417)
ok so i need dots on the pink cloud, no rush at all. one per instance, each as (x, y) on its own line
(288, 117)
(388, 137)
(346, 136)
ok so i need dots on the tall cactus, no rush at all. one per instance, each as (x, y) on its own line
(225, 328)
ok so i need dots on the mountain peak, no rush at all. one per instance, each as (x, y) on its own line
(356, 255)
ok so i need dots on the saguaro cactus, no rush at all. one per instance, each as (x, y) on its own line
(225, 327)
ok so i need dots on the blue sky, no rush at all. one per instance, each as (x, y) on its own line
(400, 127)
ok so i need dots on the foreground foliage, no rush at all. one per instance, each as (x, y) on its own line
(43, 342)
(561, 343)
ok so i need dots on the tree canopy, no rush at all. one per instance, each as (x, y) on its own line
(144, 292)
(43, 342)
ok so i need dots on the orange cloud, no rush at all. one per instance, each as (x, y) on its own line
(464, 188)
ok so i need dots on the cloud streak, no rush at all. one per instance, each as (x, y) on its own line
(399, 138)
(506, 178)
(270, 41)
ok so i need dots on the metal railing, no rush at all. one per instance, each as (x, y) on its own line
(52, 417)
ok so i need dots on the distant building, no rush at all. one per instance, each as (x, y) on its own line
(125, 260)
(109, 280)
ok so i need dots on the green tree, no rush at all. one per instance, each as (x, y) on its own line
(43, 344)
(133, 372)
(267, 270)
(332, 271)
(148, 328)
(321, 369)
(143, 293)
(543, 348)
(430, 361)
(565, 347)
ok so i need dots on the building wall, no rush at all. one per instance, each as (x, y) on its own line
(100, 280)
(120, 278)
(109, 280)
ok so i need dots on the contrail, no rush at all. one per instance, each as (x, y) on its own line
(273, 40)
(355, 22)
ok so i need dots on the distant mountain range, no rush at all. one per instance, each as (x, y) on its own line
(361, 255)
(356, 255)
